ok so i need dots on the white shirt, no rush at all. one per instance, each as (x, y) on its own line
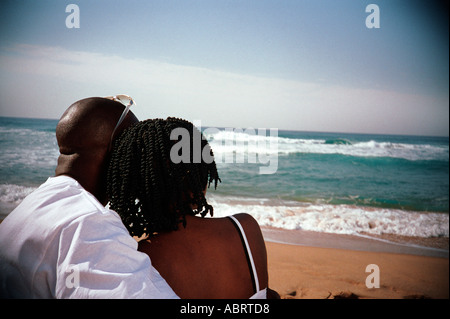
(60, 242)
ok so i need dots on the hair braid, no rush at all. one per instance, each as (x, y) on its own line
(146, 188)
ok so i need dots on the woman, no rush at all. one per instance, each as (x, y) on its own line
(157, 184)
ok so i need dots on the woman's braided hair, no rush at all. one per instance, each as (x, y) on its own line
(149, 191)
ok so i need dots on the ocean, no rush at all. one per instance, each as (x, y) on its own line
(355, 184)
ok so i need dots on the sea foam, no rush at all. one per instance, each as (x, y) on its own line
(14, 194)
(338, 219)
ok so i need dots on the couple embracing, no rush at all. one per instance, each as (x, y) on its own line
(151, 241)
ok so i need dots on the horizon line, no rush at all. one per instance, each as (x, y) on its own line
(280, 129)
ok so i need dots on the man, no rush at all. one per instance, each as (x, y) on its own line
(61, 242)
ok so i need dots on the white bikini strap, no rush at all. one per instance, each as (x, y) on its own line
(249, 252)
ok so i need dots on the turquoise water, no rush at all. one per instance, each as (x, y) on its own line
(28, 151)
(331, 182)
(401, 172)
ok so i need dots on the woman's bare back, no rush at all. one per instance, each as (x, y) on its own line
(207, 258)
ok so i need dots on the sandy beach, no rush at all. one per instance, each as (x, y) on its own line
(310, 272)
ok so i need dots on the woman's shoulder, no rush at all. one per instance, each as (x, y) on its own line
(247, 218)
(250, 225)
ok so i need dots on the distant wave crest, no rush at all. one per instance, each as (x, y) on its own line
(338, 141)
(234, 142)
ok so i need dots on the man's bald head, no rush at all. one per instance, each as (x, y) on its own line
(84, 135)
(87, 125)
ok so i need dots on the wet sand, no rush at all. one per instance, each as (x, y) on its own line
(327, 266)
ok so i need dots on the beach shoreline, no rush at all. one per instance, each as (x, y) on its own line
(387, 243)
(329, 266)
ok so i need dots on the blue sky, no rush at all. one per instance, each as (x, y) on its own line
(302, 65)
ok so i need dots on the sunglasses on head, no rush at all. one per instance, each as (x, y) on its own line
(125, 100)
